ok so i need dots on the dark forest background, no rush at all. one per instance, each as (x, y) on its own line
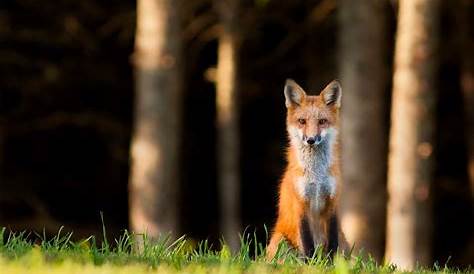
(67, 98)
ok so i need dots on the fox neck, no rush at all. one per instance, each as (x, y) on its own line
(316, 184)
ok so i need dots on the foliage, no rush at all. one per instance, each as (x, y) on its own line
(33, 253)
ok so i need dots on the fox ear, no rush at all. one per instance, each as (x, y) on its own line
(294, 94)
(332, 94)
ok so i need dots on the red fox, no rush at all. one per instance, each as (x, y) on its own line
(311, 183)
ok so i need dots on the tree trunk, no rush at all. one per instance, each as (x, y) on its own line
(155, 141)
(363, 72)
(228, 146)
(409, 219)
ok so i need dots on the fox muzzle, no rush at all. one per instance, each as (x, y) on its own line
(315, 140)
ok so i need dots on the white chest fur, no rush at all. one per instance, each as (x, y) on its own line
(317, 183)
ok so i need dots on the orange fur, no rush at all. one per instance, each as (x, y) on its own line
(292, 207)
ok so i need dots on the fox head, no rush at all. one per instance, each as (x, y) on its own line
(312, 120)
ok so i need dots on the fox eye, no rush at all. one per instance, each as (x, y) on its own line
(301, 121)
(322, 121)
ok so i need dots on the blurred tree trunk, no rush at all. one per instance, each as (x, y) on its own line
(155, 142)
(228, 146)
(409, 219)
(466, 41)
(363, 72)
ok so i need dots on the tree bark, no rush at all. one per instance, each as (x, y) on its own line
(155, 142)
(228, 146)
(410, 170)
(363, 72)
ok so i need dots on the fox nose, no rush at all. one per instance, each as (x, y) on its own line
(314, 140)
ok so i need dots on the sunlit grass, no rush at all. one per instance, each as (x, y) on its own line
(34, 253)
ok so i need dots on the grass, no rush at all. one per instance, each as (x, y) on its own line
(34, 253)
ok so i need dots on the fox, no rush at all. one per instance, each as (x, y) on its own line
(310, 187)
